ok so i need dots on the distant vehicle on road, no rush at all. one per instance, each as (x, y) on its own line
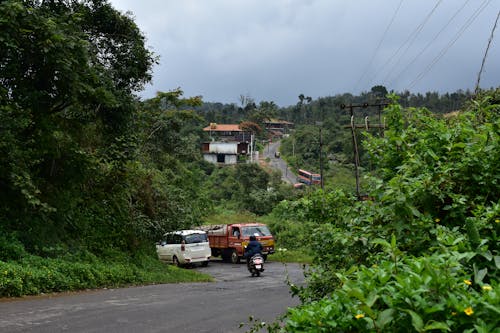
(277, 154)
(308, 178)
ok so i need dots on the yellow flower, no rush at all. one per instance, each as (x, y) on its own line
(469, 311)
(487, 287)
(497, 221)
(453, 313)
(467, 282)
(359, 316)
(437, 220)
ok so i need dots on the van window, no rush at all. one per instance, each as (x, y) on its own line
(170, 239)
(195, 238)
(174, 239)
(177, 239)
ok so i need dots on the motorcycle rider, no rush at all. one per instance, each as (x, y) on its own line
(252, 248)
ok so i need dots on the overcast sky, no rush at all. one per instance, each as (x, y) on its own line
(274, 50)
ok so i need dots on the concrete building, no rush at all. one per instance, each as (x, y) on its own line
(228, 144)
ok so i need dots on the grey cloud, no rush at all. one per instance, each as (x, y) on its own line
(275, 50)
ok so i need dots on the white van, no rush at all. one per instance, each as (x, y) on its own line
(184, 247)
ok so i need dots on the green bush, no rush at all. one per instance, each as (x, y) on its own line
(434, 293)
(11, 248)
(435, 190)
(34, 275)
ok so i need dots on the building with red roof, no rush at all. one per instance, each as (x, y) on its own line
(228, 144)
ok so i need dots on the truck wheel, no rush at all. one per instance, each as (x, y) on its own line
(235, 259)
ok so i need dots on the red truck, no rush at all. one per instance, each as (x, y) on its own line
(229, 240)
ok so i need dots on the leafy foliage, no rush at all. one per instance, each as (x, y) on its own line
(422, 294)
(435, 193)
(68, 98)
(35, 275)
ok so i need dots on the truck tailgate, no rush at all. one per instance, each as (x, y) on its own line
(218, 241)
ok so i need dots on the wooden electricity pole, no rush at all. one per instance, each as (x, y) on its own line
(366, 126)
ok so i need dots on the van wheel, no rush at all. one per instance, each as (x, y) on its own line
(204, 264)
(235, 259)
(176, 262)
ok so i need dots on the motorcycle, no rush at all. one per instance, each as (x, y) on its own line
(256, 264)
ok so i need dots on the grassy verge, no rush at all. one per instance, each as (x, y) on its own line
(285, 255)
(224, 216)
(35, 275)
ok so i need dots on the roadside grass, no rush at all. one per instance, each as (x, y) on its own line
(34, 275)
(224, 216)
(286, 255)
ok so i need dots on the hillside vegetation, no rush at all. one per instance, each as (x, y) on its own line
(423, 254)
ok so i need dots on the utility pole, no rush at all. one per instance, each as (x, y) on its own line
(365, 126)
(320, 124)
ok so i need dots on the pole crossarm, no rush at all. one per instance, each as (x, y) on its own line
(366, 126)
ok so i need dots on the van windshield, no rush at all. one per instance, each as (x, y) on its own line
(195, 238)
(258, 230)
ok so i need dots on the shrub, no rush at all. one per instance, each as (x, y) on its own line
(435, 191)
(34, 275)
(416, 294)
(11, 248)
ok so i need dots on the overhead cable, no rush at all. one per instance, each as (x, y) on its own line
(417, 29)
(414, 37)
(378, 46)
(486, 53)
(429, 44)
(450, 44)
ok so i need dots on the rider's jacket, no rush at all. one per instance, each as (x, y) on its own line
(252, 248)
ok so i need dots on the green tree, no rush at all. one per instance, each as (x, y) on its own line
(68, 74)
(379, 91)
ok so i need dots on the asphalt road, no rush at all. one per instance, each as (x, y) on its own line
(277, 163)
(188, 307)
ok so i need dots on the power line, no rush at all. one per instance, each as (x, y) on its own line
(415, 35)
(430, 43)
(378, 46)
(402, 45)
(486, 53)
(450, 44)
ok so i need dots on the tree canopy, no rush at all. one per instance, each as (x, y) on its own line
(68, 74)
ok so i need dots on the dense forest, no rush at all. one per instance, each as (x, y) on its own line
(91, 176)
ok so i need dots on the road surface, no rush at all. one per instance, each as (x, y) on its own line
(188, 307)
(277, 163)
